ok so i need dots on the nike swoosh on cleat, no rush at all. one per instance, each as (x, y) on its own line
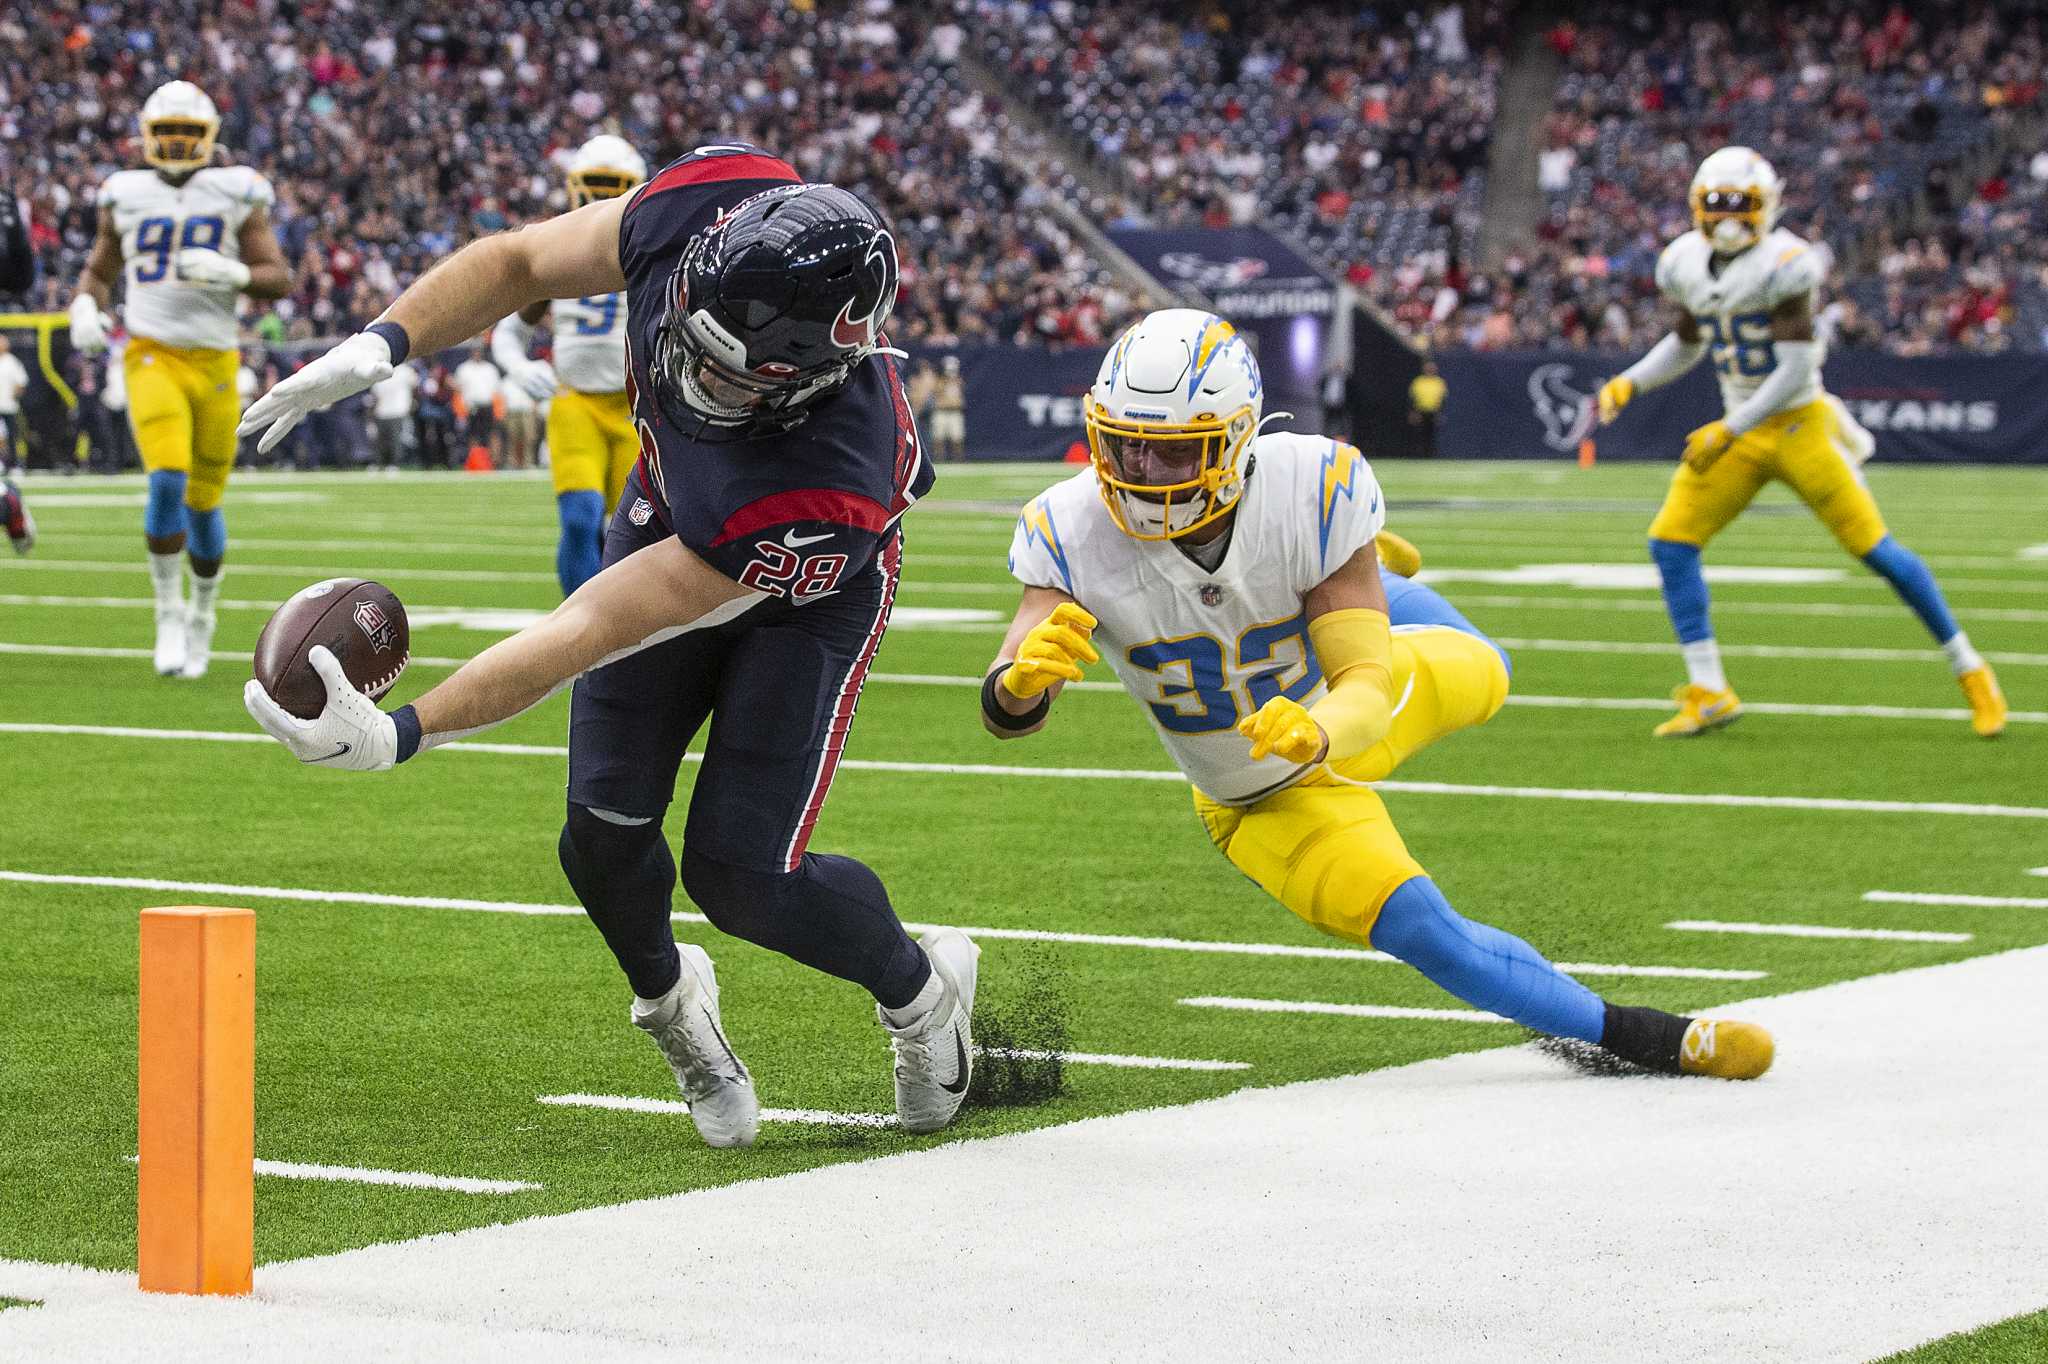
(340, 752)
(960, 1072)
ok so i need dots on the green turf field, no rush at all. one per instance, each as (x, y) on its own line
(411, 1038)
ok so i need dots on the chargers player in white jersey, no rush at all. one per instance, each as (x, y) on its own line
(1743, 289)
(591, 440)
(188, 237)
(1233, 581)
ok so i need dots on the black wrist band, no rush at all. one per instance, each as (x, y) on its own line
(408, 722)
(394, 337)
(1003, 719)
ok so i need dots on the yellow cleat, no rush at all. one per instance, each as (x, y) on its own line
(1397, 555)
(1725, 1049)
(1699, 710)
(1987, 702)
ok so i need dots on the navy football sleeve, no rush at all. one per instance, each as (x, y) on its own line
(799, 544)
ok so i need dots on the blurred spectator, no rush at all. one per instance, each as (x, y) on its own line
(1426, 393)
(391, 406)
(13, 383)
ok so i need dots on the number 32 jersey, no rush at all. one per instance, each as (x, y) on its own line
(156, 220)
(1733, 306)
(1201, 650)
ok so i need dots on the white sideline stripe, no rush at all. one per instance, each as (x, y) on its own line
(1310, 1006)
(1814, 931)
(628, 1103)
(2037, 871)
(400, 1179)
(1914, 897)
(1093, 1058)
(1247, 949)
(1619, 646)
(1425, 788)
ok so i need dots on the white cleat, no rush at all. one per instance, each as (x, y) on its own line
(935, 1053)
(715, 1084)
(198, 640)
(170, 640)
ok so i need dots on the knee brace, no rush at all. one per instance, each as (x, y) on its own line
(1685, 588)
(164, 514)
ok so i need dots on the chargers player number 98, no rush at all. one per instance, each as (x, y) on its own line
(1200, 692)
(156, 238)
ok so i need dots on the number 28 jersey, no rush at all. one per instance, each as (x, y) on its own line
(156, 220)
(1733, 305)
(1200, 650)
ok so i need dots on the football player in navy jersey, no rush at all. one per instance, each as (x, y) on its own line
(748, 576)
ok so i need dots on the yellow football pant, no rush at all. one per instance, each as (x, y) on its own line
(183, 408)
(591, 443)
(1326, 847)
(1805, 448)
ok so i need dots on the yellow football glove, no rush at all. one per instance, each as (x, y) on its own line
(1053, 652)
(1284, 727)
(1615, 395)
(1708, 444)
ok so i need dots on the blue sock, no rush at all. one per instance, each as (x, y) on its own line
(1483, 966)
(578, 555)
(1914, 582)
(1410, 603)
(1685, 589)
(208, 534)
(165, 513)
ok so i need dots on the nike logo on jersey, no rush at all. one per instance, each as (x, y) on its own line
(792, 540)
(340, 752)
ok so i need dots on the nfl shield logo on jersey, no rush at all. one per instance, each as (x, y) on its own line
(1211, 594)
(642, 512)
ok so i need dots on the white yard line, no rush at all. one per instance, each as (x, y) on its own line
(1309, 1006)
(1428, 788)
(1914, 897)
(1815, 931)
(1094, 1058)
(1654, 606)
(1046, 935)
(2037, 871)
(397, 1179)
(626, 1103)
(1846, 653)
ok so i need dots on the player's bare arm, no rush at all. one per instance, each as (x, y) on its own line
(270, 276)
(1347, 625)
(1670, 359)
(644, 598)
(103, 266)
(1047, 643)
(565, 257)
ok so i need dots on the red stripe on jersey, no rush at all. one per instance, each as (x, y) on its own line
(907, 457)
(710, 169)
(848, 700)
(804, 504)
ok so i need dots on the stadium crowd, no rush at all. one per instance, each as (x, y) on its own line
(1873, 114)
(394, 133)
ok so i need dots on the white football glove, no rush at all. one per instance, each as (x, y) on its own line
(350, 732)
(536, 378)
(89, 326)
(362, 360)
(202, 265)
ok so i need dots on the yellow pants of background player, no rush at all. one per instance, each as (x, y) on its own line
(591, 443)
(1326, 847)
(1803, 447)
(183, 407)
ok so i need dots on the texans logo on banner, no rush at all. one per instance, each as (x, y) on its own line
(1204, 273)
(1567, 413)
(375, 625)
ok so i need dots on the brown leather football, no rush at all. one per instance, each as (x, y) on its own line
(361, 622)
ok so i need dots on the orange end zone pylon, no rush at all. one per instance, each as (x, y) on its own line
(1586, 453)
(195, 1210)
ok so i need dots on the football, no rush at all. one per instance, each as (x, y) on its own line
(361, 622)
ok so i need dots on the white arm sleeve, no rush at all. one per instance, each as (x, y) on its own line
(509, 342)
(1669, 359)
(1797, 361)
